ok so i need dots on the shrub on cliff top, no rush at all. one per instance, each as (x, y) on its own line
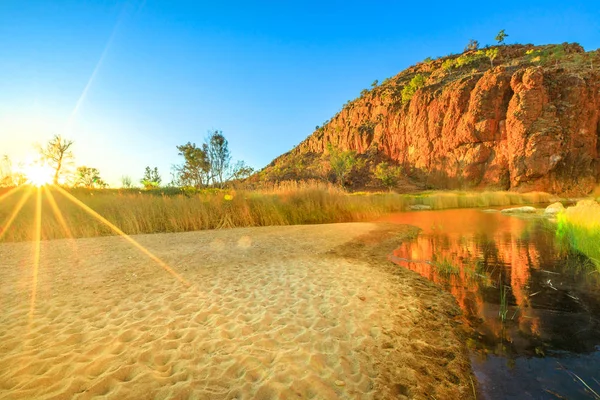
(417, 82)
(547, 54)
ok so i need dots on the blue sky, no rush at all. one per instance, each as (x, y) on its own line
(130, 80)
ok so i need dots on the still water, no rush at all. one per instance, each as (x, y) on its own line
(531, 305)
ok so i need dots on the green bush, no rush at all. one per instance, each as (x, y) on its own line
(448, 64)
(417, 82)
(387, 174)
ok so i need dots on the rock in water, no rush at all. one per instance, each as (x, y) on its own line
(554, 208)
(418, 207)
(520, 210)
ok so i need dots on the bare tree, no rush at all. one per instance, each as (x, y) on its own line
(56, 154)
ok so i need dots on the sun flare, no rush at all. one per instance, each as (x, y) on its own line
(38, 175)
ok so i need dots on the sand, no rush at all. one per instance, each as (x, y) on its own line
(313, 312)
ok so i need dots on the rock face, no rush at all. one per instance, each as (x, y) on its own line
(530, 122)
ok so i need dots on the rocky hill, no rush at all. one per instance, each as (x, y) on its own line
(517, 117)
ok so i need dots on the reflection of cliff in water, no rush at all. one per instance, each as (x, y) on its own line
(551, 301)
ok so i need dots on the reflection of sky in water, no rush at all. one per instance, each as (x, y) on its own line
(551, 307)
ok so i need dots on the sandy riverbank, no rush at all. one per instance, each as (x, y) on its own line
(277, 312)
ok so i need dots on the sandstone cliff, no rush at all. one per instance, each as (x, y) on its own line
(526, 118)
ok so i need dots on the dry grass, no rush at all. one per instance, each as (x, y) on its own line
(580, 225)
(136, 212)
(455, 199)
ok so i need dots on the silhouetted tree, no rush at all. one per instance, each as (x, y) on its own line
(89, 178)
(56, 154)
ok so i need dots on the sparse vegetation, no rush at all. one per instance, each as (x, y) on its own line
(547, 54)
(448, 64)
(472, 45)
(417, 82)
(469, 59)
(367, 128)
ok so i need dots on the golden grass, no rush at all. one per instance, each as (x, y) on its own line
(290, 203)
(580, 225)
(456, 199)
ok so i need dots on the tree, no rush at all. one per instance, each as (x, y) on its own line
(492, 53)
(472, 45)
(417, 82)
(341, 162)
(6, 174)
(500, 37)
(241, 171)
(89, 178)
(219, 157)
(126, 182)
(196, 168)
(151, 179)
(10, 176)
(388, 175)
(375, 83)
(56, 154)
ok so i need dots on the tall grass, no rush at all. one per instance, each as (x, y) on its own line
(136, 212)
(580, 225)
(454, 199)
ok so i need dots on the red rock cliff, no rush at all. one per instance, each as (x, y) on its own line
(531, 121)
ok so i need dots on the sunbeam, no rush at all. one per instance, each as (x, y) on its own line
(36, 251)
(9, 193)
(15, 212)
(92, 77)
(123, 234)
(57, 213)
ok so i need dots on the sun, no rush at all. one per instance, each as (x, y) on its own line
(38, 175)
